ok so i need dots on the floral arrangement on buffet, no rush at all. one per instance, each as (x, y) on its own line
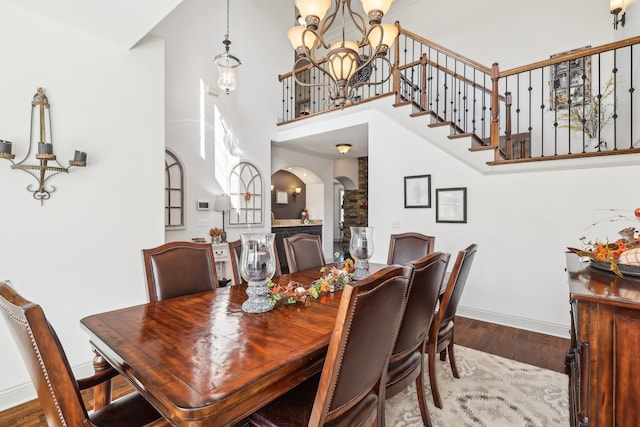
(333, 279)
(624, 252)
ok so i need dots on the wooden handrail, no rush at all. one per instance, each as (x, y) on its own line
(570, 56)
(449, 52)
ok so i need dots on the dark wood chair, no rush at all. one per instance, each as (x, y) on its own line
(303, 251)
(407, 247)
(348, 390)
(58, 390)
(442, 329)
(235, 252)
(406, 365)
(179, 268)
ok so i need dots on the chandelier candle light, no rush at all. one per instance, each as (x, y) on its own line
(347, 63)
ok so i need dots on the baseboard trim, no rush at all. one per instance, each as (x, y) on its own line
(23, 393)
(547, 328)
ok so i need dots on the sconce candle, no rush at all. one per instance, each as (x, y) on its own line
(45, 148)
(5, 146)
(80, 156)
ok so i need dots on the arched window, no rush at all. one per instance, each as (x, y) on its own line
(173, 191)
(245, 189)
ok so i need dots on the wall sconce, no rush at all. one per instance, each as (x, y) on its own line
(295, 192)
(616, 6)
(42, 169)
(343, 148)
(272, 187)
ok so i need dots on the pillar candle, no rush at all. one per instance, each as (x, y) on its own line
(5, 146)
(45, 148)
(80, 156)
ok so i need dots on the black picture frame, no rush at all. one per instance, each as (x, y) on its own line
(451, 205)
(417, 191)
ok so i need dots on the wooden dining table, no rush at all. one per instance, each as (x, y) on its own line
(202, 361)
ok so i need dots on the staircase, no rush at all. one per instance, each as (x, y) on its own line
(502, 117)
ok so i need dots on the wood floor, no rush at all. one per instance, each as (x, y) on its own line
(528, 347)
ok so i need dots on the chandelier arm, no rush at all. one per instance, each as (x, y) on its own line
(301, 83)
(360, 26)
(386, 79)
(325, 25)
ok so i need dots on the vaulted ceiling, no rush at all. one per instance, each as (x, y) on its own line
(122, 22)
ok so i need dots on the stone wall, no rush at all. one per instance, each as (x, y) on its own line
(355, 204)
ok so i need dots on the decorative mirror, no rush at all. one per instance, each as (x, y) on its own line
(245, 189)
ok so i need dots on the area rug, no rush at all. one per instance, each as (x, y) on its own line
(492, 392)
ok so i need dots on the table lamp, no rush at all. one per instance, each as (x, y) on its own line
(222, 204)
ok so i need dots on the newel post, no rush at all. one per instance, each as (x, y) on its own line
(495, 111)
(396, 62)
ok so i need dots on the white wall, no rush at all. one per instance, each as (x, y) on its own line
(522, 222)
(211, 134)
(80, 252)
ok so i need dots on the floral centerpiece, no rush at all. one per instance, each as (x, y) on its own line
(333, 279)
(623, 251)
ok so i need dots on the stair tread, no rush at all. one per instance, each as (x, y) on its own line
(438, 124)
(421, 113)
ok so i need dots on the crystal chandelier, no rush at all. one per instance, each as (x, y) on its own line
(227, 64)
(347, 63)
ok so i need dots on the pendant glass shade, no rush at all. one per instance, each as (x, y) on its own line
(227, 69)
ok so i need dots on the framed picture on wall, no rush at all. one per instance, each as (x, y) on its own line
(570, 80)
(417, 191)
(451, 205)
(281, 197)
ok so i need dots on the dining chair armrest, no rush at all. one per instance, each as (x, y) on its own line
(97, 378)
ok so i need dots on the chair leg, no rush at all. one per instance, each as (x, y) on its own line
(443, 355)
(426, 420)
(452, 360)
(432, 374)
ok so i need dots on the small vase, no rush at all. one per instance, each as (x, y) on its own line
(215, 240)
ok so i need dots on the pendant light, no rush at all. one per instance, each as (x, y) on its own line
(227, 64)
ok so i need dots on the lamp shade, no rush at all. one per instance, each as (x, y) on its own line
(343, 148)
(381, 5)
(388, 33)
(616, 5)
(343, 60)
(313, 7)
(295, 35)
(222, 203)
